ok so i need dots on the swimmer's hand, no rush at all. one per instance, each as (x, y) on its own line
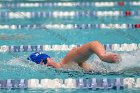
(111, 58)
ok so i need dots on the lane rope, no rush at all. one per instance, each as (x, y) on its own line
(69, 4)
(61, 14)
(31, 48)
(80, 83)
(71, 26)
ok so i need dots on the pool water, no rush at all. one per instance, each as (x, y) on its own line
(13, 65)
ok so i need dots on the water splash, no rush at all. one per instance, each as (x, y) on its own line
(23, 63)
(130, 62)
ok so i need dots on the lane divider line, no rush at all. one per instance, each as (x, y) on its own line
(33, 48)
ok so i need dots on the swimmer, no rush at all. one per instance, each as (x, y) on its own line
(78, 55)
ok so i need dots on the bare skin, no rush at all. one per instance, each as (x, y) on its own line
(82, 53)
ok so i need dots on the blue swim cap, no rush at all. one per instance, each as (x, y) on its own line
(37, 57)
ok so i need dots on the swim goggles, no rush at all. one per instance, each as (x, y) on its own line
(44, 61)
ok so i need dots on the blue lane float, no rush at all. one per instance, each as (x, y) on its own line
(16, 84)
(81, 83)
(100, 83)
(25, 48)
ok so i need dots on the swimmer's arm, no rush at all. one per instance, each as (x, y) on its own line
(52, 63)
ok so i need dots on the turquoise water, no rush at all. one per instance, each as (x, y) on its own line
(15, 66)
(72, 91)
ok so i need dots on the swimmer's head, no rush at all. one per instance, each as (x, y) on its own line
(38, 57)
